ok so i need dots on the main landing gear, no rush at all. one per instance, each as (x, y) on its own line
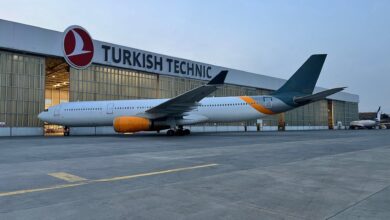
(178, 132)
(66, 131)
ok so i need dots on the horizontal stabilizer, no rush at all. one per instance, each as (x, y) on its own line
(317, 96)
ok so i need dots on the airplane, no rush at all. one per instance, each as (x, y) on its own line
(192, 107)
(367, 124)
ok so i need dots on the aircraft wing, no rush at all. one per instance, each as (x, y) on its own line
(317, 96)
(187, 101)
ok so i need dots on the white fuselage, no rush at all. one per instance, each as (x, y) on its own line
(103, 113)
(364, 123)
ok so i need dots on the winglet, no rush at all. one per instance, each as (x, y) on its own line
(219, 78)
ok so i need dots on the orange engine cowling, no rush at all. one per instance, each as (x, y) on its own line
(125, 124)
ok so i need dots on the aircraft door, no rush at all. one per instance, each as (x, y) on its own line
(110, 108)
(57, 110)
(268, 102)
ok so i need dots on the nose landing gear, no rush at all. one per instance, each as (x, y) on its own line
(66, 131)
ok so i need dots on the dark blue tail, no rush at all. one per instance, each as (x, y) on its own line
(305, 78)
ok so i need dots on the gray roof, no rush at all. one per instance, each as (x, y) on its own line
(36, 40)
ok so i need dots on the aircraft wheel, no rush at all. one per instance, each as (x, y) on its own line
(179, 132)
(66, 131)
(187, 131)
(170, 132)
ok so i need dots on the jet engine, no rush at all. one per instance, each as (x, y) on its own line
(125, 124)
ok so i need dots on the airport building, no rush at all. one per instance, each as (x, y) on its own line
(37, 71)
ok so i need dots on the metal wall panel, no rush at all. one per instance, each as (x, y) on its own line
(21, 89)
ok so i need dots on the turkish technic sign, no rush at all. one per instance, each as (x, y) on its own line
(80, 51)
(150, 62)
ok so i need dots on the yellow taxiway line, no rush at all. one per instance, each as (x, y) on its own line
(67, 177)
(85, 181)
(154, 173)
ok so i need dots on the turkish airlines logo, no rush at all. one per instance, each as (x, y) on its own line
(78, 47)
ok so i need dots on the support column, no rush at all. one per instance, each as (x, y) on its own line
(282, 122)
(330, 115)
(158, 92)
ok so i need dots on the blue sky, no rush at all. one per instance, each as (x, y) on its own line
(267, 37)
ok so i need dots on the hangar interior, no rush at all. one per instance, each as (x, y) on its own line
(56, 88)
(30, 83)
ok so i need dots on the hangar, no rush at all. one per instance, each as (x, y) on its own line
(36, 72)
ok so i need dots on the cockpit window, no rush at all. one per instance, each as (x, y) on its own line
(46, 110)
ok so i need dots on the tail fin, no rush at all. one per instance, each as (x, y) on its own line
(378, 114)
(305, 78)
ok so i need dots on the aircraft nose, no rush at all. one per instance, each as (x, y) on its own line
(41, 116)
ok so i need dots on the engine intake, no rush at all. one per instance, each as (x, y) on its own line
(125, 124)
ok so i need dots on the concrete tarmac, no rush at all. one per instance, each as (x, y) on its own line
(246, 175)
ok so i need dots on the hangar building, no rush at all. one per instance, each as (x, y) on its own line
(35, 74)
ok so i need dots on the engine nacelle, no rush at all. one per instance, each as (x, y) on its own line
(125, 124)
